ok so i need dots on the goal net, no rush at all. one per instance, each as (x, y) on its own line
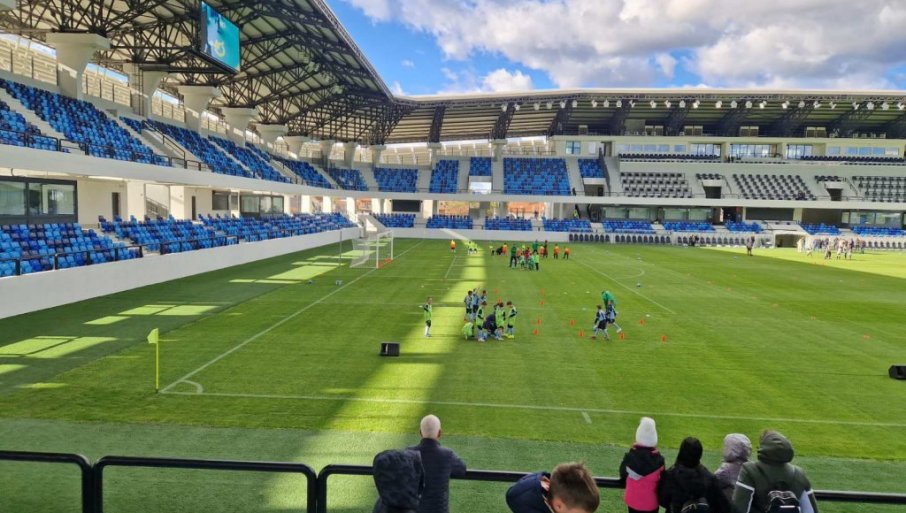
(372, 251)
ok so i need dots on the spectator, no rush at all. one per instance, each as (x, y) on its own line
(641, 470)
(688, 486)
(760, 481)
(570, 489)
(737, 450)
(440, 463)
(400, 481)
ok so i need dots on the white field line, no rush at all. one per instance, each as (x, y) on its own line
(274, 326)
(586, 417)
(450, 268)
(630, 289)
(535, 407)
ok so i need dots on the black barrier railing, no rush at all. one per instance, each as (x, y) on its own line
(311, 478)
(85, 468)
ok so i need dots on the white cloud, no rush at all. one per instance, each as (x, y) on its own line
(397, 89)
(609, 43)
(407, 63)
(501, 80)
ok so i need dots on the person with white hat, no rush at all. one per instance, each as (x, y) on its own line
(641, 470)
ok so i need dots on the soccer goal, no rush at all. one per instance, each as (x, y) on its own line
(372, 251)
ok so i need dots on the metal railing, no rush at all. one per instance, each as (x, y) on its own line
(317, 489)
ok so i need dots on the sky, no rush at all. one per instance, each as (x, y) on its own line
(457, 46)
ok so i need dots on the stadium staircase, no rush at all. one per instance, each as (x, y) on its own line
(695, 186)
(576, 183)
(368, 177)
(369, 221)
(157, 140)
(497, 175)
(614, 183)
(424, 180)
(19, 108)
(463, 176)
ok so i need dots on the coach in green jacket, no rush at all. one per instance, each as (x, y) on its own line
(772, 472)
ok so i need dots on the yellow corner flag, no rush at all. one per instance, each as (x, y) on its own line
(154, 338)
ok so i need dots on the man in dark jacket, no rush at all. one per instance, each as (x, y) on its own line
(772, 472)
(688, 482)
(440, 463)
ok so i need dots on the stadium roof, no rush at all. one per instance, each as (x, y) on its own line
(301, 68)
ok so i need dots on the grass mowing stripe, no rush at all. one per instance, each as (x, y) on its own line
(630, 289)
(538, 407)
(274, 326)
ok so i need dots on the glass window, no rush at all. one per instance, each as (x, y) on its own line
(56, 199)
(663, 148)
(635, 148)
(650, 148)
(220, 201)
(852, 150)
(623, 148)
(891, 152)
(864, 152)
(833, 150)
(249, 204)
(679, 148)
(573, 147)
(277, 205)
(878, 152)
(12, 199)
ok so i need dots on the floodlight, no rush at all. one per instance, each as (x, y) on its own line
(801, 104)
(606, 103)
(718, 104)
(619, 103)
(537, 105)
(516, 106)
(503, 107)
(562, 104)
(748, 104)
(870, 105)
(653, 104)
(594, 104)
(817, 104)
(885, 106)
(733, 104)
(667, 103)
(901, 105)
(549, 105)
(682, 104)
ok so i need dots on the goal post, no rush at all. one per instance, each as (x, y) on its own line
(372, 251)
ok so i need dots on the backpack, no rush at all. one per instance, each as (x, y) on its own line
(699, 505)
(399, 478)
(779, 498)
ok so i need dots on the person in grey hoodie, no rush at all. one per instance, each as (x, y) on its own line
(772, 472)
(737, 450)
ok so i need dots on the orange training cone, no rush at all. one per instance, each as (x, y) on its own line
(664, 338)
(535, 332)
(581, 333)
(572, 322)
(641, 322)
(622, 336)
(542, 302)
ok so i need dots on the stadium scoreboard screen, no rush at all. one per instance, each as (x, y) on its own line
(219, 38)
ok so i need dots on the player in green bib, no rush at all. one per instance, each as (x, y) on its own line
(500, 318)
(427, 308)
(611, 301)
(511, 320)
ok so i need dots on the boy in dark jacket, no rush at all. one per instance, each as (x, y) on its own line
(570, 489)
(689, 482)
(772, 472)
(641, 470)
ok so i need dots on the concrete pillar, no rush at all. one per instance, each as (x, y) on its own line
(196, 99)
(375, 206)
(327, 205)
(74, 51)
(376, 151)
(326, 149)
(295, 143)
(144, 84)
(434, 152)
(427, 208)
(306, 204)
(724, 151)
(498, 145)
(350, 208)
(270, 133)
(180, 208)
(239, 119)
(349, 153)
(388, 206)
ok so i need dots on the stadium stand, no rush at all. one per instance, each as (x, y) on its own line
(742, 227)
(686, 226)
(16, 131)
(348, 179)
(306, 172)
(591, 168)
(854, 159)
(507, 223)
(625, 226)
(567, 225)
(396, 220)
(452, 222)
(541, 176)
(709, 176)
(45, 247)
(828, 178)
(820, 229)
(891, 189)
(480, 166)
(396, 180)
(83, 124)
(877, 231)
(773, 187)
(203, 148)
(165, 235)
(655, 185)
(250, 229)
(250, 159)
(445, 177)
(668, 156)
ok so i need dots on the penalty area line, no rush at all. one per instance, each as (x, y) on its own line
(627, 287)
(269, 329)
(536, 407)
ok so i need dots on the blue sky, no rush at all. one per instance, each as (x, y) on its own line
(431, 46)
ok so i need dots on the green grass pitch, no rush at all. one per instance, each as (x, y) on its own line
(259, 364)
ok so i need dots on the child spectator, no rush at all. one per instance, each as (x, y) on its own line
(641, 469)
(737, 450)
(688, 486)
(570, 489)
(773, 474)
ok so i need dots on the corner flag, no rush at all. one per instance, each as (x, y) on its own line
(154, 338)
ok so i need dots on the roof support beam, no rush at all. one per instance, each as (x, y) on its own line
(437, 124)
(618, 120)
(558, 124)
(502, 125)
(728, 126)
(845, 125)
(791, 121)
(896, 129)
(675, 120)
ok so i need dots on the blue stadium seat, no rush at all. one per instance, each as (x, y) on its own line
(445, 177)
(507, 223)
(450, 222)
(396, 180)
(396, 220)
(539, 176)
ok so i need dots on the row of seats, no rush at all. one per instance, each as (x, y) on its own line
(445, 177)
(250, 159)
(854, 159)
(203, 148)
(626, 226)
(276, 227)
(882, 188)
(828, 178)
(709, 176)
(396, 220)
(450, 222)
(306, 172)
(507, 223)
(396, 180)
(567, 225)
(45, 247)
(773, 187)
(16, 131)
(541, 176)
(688, 226)
(591, 168)
(165, 235)
(82, 123)
(742, 227)
(348, 179)
(820, 229)
(655, 185)
(480, 166)
(878, 231)
(668, 156)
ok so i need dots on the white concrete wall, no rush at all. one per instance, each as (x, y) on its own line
(95, 199)
(33, 292)
(491, 235)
